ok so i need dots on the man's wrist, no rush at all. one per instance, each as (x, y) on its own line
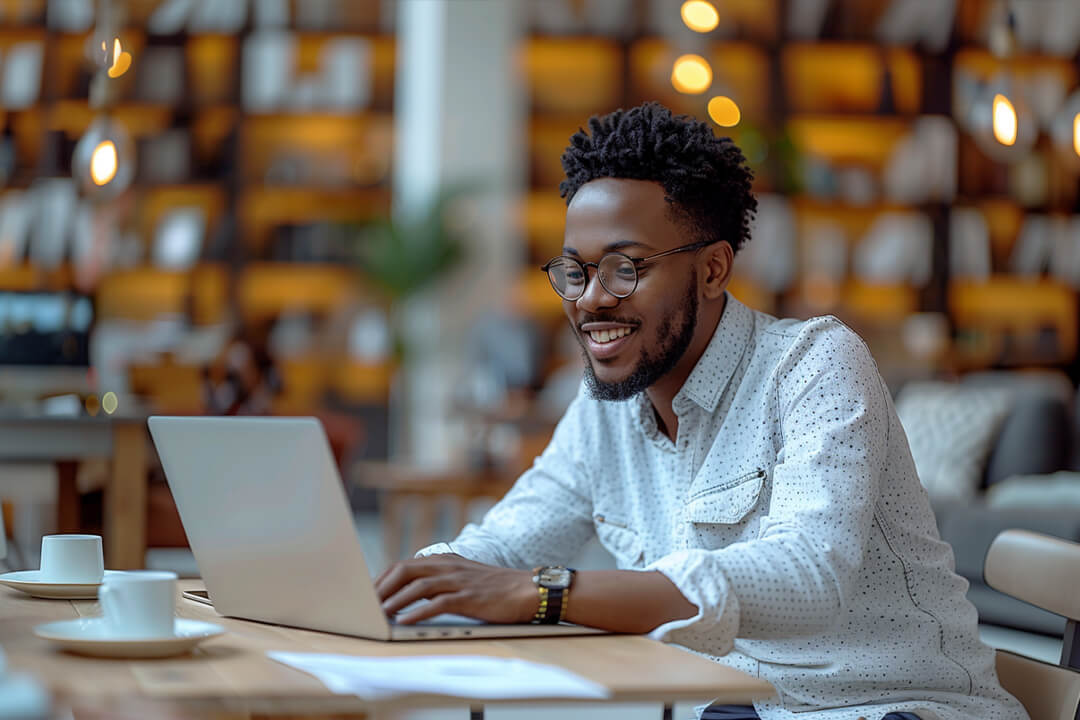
(530, 604)
(553, 593)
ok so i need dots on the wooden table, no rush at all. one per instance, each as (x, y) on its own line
(230, 676)
(67, 441)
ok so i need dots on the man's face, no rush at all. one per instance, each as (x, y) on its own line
(631, 343)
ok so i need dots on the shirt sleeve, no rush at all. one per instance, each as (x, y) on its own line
(546, 517)
(798, 575)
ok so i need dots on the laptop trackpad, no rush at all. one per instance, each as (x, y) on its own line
(444, 619)
(449, 619)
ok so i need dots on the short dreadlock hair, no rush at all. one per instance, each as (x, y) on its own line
(705, 178)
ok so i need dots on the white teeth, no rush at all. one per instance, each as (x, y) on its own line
(606, 336)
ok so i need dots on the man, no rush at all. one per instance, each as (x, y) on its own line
(749, 474)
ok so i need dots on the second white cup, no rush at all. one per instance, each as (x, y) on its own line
(139, 604)
(74, 559)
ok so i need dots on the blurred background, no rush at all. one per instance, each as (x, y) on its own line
(338, 208)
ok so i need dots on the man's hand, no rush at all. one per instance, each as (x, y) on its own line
(456, 585)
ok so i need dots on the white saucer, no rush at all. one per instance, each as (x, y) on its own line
(90, 636)
(30, 582)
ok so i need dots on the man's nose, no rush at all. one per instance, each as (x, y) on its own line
(595, 296)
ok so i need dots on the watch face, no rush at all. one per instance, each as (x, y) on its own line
(555, 578)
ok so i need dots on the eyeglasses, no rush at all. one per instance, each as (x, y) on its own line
(618, 273)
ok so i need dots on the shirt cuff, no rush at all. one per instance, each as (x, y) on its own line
(436, 549)
(669, 631)
(716, 624)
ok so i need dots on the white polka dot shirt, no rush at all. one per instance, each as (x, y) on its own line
(787, 510)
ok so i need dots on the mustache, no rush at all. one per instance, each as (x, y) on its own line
(606, 318)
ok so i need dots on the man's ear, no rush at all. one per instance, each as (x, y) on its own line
(717, 259)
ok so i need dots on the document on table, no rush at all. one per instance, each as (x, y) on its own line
(472, 676)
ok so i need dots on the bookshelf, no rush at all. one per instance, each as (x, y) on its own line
(265, 174)
(863, 141)
(828, 110)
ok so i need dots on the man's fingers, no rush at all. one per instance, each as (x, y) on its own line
(401, 573)
(446, 603)
(400, 563)
(395, 576)
(382, 576)
(419, 589)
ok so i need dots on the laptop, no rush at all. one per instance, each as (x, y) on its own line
(266, 515)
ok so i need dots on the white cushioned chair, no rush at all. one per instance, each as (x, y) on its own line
(1043, 571)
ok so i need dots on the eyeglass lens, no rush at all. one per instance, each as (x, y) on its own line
(616, 273)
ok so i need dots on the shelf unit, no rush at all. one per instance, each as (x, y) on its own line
(838, 105)
(255, 176)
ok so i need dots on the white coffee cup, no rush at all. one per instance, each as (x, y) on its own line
(139, 604)
(72, 559)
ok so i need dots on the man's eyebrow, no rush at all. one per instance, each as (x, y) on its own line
(621, 244)
(612, 247)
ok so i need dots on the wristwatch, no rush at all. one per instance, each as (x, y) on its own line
(553, 586)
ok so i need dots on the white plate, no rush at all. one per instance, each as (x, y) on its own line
(91, 636)
(30, 582)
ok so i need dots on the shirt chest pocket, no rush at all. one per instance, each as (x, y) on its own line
(721, 514)
(619, 539)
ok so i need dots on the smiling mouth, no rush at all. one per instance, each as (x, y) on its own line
(602, 337)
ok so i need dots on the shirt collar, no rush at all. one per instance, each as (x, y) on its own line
(717, 364)
(714, 368)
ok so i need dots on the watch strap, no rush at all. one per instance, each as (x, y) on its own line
(552, 607)
(541, 610)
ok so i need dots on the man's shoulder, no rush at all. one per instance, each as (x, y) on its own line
(817, 326)
(824, 338)
(818, 330)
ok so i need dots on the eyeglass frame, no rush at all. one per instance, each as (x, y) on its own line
(636, 262)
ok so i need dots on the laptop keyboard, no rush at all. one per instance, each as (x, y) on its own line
(446, 619)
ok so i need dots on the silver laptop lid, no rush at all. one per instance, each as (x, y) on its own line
(268, 521)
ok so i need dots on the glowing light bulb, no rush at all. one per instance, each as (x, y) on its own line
(121, 60)
(691, 74)
(700, 15)
(724, 111)
(1004, 120)
(1065, 131)
(104, 159)
(1076, 134)
(103, 162)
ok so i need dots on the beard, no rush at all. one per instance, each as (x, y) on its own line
(673, 339)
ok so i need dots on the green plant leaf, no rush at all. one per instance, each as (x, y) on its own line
(406, 255)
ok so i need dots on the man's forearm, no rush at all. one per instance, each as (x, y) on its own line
(625, 600)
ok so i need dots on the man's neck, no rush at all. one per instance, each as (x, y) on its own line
(662, 393)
